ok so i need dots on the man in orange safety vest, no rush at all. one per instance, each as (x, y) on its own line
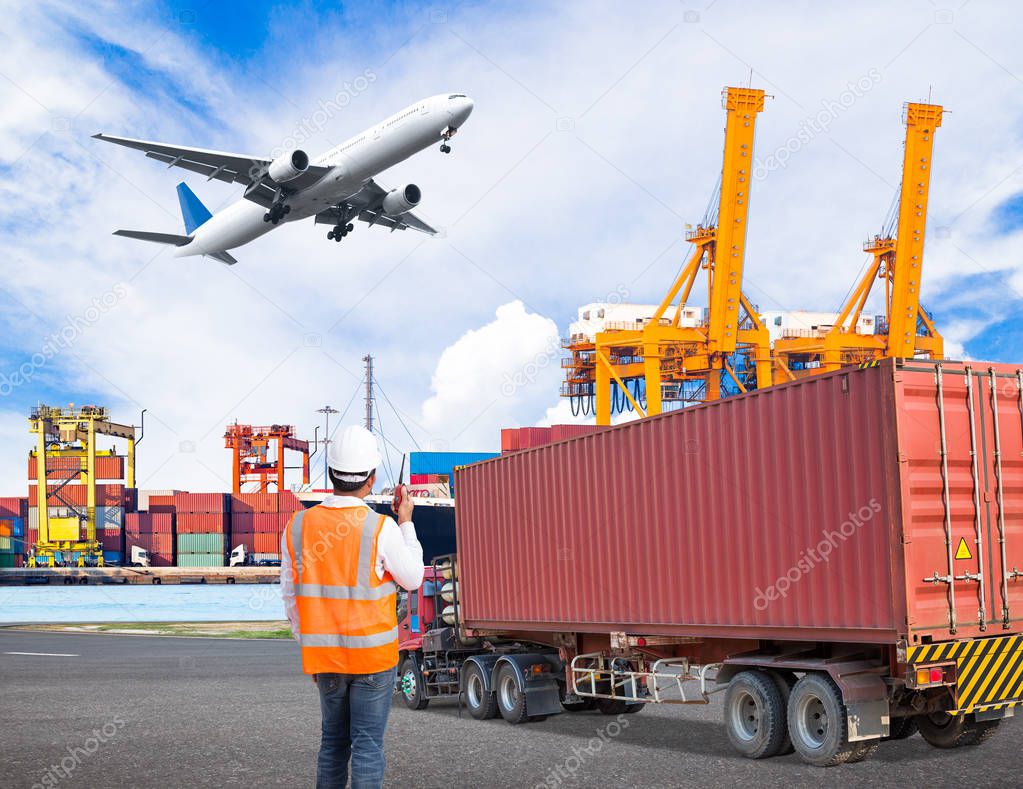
(340, 564)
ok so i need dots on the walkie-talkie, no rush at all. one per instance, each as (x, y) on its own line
(400, 490)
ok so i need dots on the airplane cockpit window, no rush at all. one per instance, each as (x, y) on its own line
(457, 96)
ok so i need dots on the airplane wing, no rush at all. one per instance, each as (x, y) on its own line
(222, 166)
(368, 203)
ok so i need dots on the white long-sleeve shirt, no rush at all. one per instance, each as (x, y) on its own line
(398, 553)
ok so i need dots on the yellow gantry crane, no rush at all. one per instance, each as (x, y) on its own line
(668, 360)
(907, 330)
(66, 454)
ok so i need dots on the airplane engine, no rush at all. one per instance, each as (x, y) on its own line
(400, 201)
(288, 166)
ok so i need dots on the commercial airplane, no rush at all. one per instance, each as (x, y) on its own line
(336, 189)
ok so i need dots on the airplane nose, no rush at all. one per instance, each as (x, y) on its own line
(461, 111)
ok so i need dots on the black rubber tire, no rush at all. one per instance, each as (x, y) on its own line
(817, 722)
(612, 706)
(416, 700)
(511, 701)
(785, 680)
(481, 703)
(942, 730)
(901, 728)
(632, 709)
(755, 715)
(580, 706)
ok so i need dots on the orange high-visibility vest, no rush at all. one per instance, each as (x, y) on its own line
(346, 613)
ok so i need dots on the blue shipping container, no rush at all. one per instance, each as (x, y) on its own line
(444, 462)
(113, 557)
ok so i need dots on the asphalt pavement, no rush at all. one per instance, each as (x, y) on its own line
(104, 710)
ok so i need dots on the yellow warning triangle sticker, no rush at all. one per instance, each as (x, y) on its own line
(963, 551)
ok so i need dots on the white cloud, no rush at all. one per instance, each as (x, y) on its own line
(490, 375)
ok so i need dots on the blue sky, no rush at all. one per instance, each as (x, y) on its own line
(596, 136)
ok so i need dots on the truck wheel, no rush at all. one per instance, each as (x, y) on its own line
(413, 691)
(943, 730)
(901, 728)
(482, 703)
(818, 725)
(633, 708)
(511, 701)
(785, 680)
(755, 715)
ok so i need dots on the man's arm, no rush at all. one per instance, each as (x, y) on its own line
(288, 585)
(401, 554)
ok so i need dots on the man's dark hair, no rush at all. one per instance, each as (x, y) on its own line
(340, 486)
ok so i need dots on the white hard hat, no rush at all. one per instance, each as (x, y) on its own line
(354, 454)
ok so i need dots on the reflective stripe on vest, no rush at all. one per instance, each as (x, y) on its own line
(349, 642)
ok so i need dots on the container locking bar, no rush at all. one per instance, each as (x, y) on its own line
(999, 496)
(978, 526)
(947, 520)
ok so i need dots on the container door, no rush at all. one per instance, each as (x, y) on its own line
(1002, 444)
(942, 418)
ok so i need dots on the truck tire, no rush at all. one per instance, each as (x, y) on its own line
(634, 707)
(943, 730)
(511, 701)
(818, 725)
(482, 703)
(785, 680)
(755, 715)
(411, 686)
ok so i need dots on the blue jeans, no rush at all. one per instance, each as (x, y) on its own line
(354, 708)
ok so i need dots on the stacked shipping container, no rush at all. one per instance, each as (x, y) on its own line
(154, 533)
(258, 521)
(203, 522)
(13, 515)
(514, 439)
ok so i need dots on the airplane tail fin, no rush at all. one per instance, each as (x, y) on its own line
(193, 212)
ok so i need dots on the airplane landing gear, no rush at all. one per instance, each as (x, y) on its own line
(276, 213)
(445, 137)
(340, 231)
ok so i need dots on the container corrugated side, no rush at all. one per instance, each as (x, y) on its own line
(200, 543)
(723, 519)
(200, 560)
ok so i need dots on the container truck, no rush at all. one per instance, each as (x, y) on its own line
(840, 556)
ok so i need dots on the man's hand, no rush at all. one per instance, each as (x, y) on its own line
(405, 507)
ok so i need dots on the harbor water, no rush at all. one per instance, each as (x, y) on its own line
(137, 603)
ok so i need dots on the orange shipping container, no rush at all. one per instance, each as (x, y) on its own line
(61, 468)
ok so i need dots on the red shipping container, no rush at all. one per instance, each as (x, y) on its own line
(13, 507)
(563, 432)
(509, 439)
(242, 523)
(112, 542)
(202, 523)
(812, 510)
(418, 479)
(289, 502)
(61, 468)
(164, 504)
(270, 522)
(248, 503)
(201, 502)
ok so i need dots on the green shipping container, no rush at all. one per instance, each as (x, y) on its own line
(6, 545)
(200, 560)
(201, 543)
(7, 560)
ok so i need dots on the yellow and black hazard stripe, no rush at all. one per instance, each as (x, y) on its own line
(865, 365)
(989, 671)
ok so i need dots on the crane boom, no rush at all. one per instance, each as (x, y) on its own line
(921, 121)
